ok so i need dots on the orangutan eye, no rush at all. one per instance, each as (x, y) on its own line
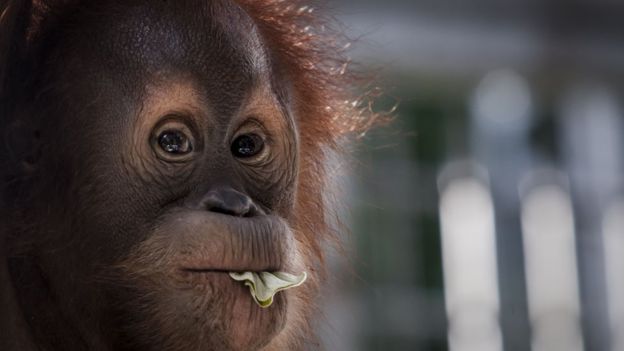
(175, 142)
(247, 145)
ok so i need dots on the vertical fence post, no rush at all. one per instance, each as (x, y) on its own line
(469, 262)
(551, 264)
(501, 117)
(613, 232)
(591, 131)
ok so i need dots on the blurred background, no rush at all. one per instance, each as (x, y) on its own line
(489, 216)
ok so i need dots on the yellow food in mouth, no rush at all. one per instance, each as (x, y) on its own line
(264, 285)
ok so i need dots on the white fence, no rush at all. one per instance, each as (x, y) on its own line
(557, 228)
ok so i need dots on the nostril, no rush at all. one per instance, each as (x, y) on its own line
(223, 211)
(229, 202)
(251, 211)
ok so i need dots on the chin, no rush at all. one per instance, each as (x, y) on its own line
(198, 311)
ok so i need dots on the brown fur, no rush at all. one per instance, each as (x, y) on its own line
(310, 53)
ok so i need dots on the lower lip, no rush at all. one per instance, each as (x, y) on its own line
(209, 281)
(194, 270)
(214, 281)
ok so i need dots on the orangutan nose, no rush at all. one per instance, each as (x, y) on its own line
(230, 202)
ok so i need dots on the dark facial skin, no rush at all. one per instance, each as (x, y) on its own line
(170, 158)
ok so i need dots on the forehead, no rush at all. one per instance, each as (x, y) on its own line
(215, 42)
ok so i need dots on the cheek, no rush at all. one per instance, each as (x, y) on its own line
(274, 185)
(109, 215)
(119, 196)
(290, 150)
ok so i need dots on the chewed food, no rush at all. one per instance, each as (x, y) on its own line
(264, 285)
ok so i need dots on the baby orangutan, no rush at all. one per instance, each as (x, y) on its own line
(153, 150)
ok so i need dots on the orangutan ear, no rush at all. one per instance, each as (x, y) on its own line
(14, 22)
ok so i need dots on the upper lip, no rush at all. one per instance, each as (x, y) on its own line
(203, 241)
